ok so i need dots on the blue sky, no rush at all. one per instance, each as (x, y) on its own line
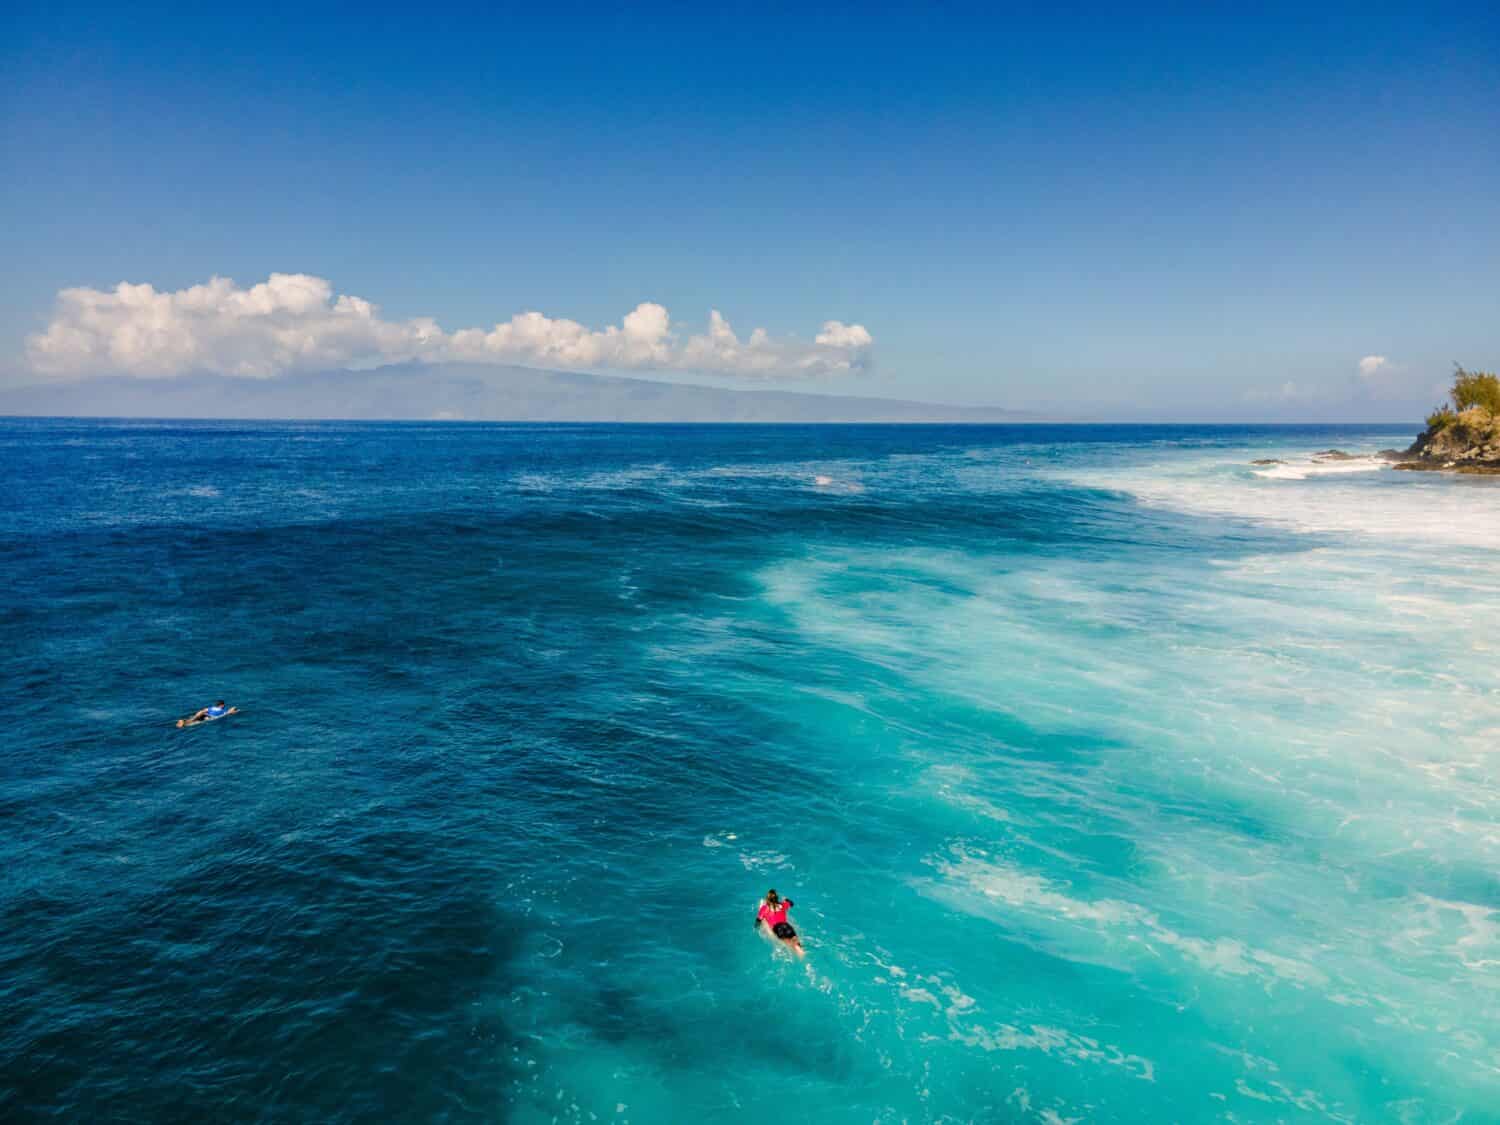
(1194, 211)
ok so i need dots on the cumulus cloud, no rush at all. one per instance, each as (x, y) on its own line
(295, 322)
(1372, 365)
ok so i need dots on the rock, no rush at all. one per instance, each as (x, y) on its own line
(1268, 461)
(1466, 441)
(1333, 455)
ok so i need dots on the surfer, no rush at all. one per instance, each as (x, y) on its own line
(204, 714)
(772, 914)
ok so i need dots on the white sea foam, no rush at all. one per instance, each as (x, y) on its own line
(1320, 465)
(1315, 467)
(1045, 1039)
(823, 482)
(1032, 894)
(1361, 496)
(763, 861)
(1333, 705)
(963, 1023)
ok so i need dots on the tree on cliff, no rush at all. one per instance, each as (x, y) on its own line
(1465, 436)
(1470, 389)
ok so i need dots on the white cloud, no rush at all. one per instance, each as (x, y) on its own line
(838, 335)
(1372, 364)
(295, 322)
(1287, 392)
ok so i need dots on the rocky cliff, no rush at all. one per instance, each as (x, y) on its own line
(1465, 441)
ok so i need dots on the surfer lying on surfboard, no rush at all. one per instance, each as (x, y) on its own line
(772, 913)
(205, 714)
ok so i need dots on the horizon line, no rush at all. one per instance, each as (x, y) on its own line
(541, 423)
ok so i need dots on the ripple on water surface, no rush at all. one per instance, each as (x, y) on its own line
(1114, 778)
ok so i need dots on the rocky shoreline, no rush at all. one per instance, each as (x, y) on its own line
(1463, 437)
(1466, 441)
(1423, 456)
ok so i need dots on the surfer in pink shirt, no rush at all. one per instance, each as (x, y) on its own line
(772, 914)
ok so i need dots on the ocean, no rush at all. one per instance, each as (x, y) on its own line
(1114, 778)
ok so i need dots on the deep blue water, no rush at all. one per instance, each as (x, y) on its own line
(1115, 779)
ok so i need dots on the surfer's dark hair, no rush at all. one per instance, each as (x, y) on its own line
(771, 894)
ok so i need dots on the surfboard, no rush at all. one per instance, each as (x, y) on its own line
(183, 724)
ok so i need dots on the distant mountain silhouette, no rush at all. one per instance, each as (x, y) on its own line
(467, 392)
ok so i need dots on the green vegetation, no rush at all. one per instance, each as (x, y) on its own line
(1471, 390)
(1441, 418)
(1463, 436)
(1475, 388)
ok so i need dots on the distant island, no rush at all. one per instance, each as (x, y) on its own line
(465, 392)
(1462, 435)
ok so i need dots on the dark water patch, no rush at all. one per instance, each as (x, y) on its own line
(378, 956)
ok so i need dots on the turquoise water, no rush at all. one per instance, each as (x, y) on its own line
(1115, 779)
